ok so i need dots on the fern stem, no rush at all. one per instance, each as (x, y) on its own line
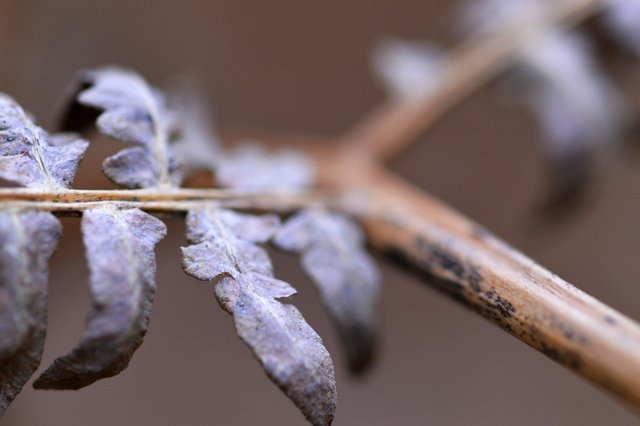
(450, 251)
(466, 262)
(71, 202)
(390, 128)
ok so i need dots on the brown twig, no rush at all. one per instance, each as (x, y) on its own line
(391, 127)
(476, 269)
(178, 200)
(450, 251)
(171, 195)
(458, 256)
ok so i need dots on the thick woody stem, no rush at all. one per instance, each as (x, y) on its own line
(459, 257)
(448, 250)
(390, 128)
(464, 261)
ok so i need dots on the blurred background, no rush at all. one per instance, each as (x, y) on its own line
(304, 66)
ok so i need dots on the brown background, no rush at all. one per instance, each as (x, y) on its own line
(303, 65)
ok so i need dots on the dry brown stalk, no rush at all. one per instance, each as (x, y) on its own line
(458, 256)
(447, 249)
(388, 129)
(469, 264)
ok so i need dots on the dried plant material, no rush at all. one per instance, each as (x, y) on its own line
(27, 241)
(250, 167)
(171, 141)
(198, 147)
(120, 252)
(489, 17)
(133, 112)
(29, 156)
(580, 112)
(334, 256)
(223, 249)
(622, 18)
(408, 68)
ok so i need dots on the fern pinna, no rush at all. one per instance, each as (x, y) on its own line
(557, 76)
(168, 144)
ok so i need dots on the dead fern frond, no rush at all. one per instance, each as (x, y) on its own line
(334, 201)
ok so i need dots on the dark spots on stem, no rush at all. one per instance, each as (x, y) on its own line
(460, 280)
(464, 282)
(565, 357)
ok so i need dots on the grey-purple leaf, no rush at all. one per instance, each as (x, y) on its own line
(291, 352)
(487, 17)
(408, 68)
(27, 241)
(622, 17)
(580, 112)
(120, 252)
(334, 256)
(249, 167)
(133, 112)
(29, 156)
(223, 248)
(196, 147)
